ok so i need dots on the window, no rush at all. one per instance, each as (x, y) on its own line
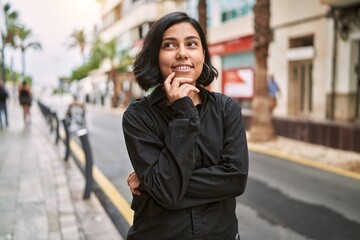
(110, 18)
(234, 9)
(305, 41)
(140, 31)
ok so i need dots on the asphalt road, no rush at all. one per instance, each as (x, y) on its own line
(283, 200)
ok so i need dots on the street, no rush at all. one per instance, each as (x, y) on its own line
(283, 200)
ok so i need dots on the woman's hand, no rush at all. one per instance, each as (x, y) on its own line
(134, 183)
(178, 87)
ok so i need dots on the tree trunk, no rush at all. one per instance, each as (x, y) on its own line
(115, 97)
(202, 15)
(23, 64)
(261, 128)
(3, 71)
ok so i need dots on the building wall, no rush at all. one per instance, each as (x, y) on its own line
(232, 55)
(334, 83)
(292, 19)
(231, 30)
(289, 11)
(138, 13)
(347, 78)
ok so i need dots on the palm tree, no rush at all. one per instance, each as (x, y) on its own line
(111, 54)
(101, 51)
(78, 39)
(261, 128)
(25, 42)
(8, 34)
(202, 15)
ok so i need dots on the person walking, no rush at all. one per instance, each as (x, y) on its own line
(273, 92)
(76, 115)
(3, 105)
(187, 145)
(25, 100)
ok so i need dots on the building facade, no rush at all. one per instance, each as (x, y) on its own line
(316, 66)
(230, 36)
(314, 57)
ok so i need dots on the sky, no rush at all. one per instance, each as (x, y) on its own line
(52, 22)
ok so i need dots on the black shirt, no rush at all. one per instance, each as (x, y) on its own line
(191, 166)
(3, 95)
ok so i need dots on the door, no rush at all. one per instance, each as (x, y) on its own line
(300, 88)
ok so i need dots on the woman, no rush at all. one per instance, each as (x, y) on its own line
(187, 145)
(25, 99)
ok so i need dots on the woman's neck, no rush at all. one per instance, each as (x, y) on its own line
(196, 98)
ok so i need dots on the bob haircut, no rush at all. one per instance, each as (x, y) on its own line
(146, 65)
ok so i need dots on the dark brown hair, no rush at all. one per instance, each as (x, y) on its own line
(146, 66)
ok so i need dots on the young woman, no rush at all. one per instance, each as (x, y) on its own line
(25, 100)
(187, 145)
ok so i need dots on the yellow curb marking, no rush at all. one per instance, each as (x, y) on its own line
(303, 161)
(124, 208)
(109, 189)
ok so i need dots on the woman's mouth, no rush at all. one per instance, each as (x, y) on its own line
(181, 68)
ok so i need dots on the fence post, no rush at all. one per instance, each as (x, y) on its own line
(57, 127)
(48, 116)
(67, 139)
(83, 135)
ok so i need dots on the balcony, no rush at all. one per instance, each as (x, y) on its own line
(340, 3)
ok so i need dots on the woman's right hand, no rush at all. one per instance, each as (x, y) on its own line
(178, 87)
(134, 183)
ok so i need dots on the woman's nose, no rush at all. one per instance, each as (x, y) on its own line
(181, 54)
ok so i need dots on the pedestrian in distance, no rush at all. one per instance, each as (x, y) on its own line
(3, 104)
(76, 115)
(25, 100)
(187, 145)
(273, 92)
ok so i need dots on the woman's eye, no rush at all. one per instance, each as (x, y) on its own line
(169, 45)
(192, 44)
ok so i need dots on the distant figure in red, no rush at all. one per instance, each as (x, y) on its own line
(25, 100)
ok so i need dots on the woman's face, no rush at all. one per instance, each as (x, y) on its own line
(181, 52)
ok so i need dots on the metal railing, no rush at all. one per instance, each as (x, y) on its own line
(53, 121)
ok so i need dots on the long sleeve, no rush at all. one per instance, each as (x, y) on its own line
(228, 178)
(164, 167)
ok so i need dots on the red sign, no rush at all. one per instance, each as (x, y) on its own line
(238, 83)
(233, 46)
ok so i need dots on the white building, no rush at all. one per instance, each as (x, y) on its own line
(315, 63)
(314, 56)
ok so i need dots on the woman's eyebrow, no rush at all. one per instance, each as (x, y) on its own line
(175, 39)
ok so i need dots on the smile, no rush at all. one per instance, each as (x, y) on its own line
(181, 67)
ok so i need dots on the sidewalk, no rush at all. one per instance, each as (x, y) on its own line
(303, 152)
(40, 193)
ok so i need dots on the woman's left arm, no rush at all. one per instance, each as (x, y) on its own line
(228, 178)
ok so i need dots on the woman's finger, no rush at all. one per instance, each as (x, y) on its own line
(168, 81)
(179, 81)
(134, 187)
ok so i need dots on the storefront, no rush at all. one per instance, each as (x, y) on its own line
(237, 68)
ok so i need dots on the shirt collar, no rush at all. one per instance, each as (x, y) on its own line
(157, 94)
